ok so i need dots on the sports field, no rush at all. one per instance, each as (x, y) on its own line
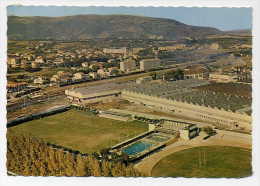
(80, 130)
(208, 162)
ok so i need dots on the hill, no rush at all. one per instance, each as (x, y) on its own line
(82, 27)
(243, 32)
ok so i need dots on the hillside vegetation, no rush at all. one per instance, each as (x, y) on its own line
(84, 27)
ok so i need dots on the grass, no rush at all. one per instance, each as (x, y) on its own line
(80, 131)
(229, 162)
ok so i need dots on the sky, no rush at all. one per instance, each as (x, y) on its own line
(221, 18)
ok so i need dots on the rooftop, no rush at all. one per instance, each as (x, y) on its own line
(97, 89)
(166, 89)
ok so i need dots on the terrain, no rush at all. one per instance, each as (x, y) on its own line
(83, 27)
(215, 161)
(80, 130)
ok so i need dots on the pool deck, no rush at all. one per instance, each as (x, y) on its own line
(147, 137)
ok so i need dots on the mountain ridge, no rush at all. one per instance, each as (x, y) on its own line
(81, 27)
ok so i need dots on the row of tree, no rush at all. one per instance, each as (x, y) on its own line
(29, 156)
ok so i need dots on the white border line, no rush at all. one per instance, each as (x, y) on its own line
(253, 180)
(137, 3)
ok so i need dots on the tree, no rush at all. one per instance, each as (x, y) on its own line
(33, 157)
(115, 72)
(154, 75)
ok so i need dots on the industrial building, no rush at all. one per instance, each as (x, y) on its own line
(181, 99)
(98, 93)
(149, 64)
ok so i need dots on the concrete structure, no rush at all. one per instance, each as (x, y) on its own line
(39, 59)
(40, 80)
(154, 140)
(222, 78)
(25, 64)
(136, 50)
(196, 73)
(122, 50)
(16, 87)
(103, 73)
(164, 97)
(93, 75)
(85, 64)
(171, 48)
(128, 65)
(80, 76)
(144, 79)
(13, 62)
(35, 65)
(189, 132)
(115, 115)
(151, 127)
(149, 64)
(93, 94)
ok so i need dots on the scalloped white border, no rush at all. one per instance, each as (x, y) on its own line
(42, 181)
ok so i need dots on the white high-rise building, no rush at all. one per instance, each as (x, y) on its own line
(148, 64)
(128, 65)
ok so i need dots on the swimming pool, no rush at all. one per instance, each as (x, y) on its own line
(137, 147)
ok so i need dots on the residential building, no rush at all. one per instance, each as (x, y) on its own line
(13, 62)
(35, 65)
(128, 65)
(196, 73)
(171, 48)
(16, 86)
(80, 76)
(85, 64)
(40, 80)
(122, 50)
(149, 64)
(93, 75)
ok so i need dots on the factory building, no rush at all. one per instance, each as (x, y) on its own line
(94, 94)
(149, 64)
(180, 99)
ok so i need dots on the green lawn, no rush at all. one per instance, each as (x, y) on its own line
(80, 131)
(230, 162)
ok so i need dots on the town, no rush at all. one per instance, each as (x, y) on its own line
(128, 105)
